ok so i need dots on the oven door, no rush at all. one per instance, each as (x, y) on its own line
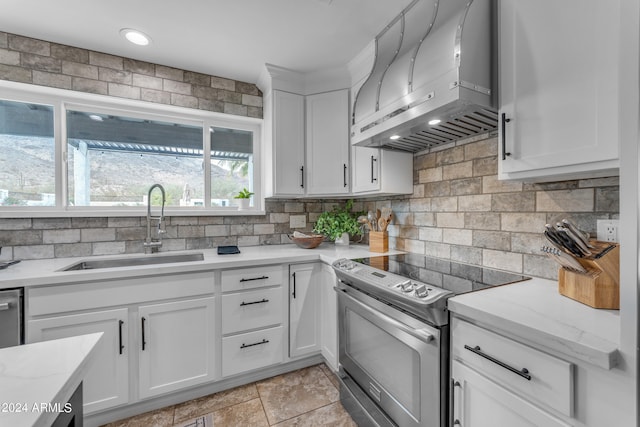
(391, 359)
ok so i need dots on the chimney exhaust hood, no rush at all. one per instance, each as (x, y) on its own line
(434, 61)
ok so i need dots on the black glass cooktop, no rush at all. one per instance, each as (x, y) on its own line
(450, 275)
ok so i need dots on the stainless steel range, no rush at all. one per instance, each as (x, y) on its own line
(394, 335)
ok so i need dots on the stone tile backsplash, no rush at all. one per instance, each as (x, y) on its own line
(460, 210)
(27, 60)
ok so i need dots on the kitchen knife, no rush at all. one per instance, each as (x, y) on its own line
(561, 240)
(577, 240)
(579, 233)
(564, 259)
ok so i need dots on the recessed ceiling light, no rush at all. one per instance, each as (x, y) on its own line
(135, 36)
(96, 117)
(434, 122)
(394, 137)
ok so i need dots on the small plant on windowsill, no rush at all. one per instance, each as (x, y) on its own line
(244, 198)
(338, 224)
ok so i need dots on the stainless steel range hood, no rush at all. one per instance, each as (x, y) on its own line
(434, 61)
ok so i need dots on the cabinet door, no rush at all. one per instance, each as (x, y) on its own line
(304, 334)
(288, 143)
(479, 402)
(559, 88)
(365, 163)
(176, 345)
(329, 314)
(107, 381)
(327, 157)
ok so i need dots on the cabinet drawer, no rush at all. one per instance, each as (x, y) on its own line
(244, 352)
(550, 379)
(249, 278)
(252, 309)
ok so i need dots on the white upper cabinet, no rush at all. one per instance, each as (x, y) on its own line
(327, 143)
(559, 89)
(310, 146)
(288, 144)
(377, 171)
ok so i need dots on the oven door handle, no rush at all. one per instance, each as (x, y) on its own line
(421, 334)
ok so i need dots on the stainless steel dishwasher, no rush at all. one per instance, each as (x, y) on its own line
(11, 317)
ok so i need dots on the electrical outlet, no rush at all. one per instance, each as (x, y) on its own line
(608, 230)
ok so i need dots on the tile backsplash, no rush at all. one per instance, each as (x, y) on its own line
(460, 210)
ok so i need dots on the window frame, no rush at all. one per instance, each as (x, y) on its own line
(63, 100)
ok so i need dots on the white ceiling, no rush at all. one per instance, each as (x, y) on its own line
(226, 38)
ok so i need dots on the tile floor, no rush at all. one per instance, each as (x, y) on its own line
(303, 398)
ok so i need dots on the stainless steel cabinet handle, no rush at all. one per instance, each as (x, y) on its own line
(144, 342)
(524, 372)
(4, 306)
(263, 300)
(505, 120)
(453, 421)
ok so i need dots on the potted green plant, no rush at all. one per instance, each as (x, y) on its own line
(338, 224)
(244, 198)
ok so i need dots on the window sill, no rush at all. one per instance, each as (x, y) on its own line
(137, 212)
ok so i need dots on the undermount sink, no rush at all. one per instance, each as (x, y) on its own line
(132, 261)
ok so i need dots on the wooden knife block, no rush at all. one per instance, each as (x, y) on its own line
(599, 287)
(378, 241)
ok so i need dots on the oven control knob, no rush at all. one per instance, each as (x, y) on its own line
(421, 291)
(406, 286)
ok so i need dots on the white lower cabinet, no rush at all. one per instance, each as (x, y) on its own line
(304, 309)
(107, 382)
(251, 350)
(252, 318)
(480, 402)
(329, 316)
(499, 381)
(176, 345)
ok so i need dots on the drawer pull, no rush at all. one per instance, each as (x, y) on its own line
(120, 344)
(254, 302)
(144, 341)
(254, 278)
(524, 372)
(264, 341)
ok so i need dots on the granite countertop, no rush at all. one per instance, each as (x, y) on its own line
(48, 271)
(534, 312)
(41, 373)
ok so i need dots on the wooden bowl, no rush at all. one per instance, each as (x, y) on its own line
(307, 242)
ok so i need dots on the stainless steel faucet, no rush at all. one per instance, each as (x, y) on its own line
(152, 244)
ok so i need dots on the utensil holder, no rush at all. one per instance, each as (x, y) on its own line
(378, 241)
(599, 287)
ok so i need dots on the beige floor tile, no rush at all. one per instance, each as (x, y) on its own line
(158, 418)
(213, 402)
(289, 395)
(331, 375)
(332, 415)
(246, 414)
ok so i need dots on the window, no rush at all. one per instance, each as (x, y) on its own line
(27, 162)
(78, 153)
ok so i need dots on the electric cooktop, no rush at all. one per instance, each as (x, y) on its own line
(449, 275)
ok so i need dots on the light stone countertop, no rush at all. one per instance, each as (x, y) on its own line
(42, 373)
(47, 271)
(534, 312)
